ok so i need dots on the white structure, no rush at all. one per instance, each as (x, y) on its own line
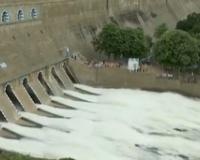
(133, 64)
(3, 65)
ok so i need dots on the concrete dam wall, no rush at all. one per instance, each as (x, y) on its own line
(37, 35)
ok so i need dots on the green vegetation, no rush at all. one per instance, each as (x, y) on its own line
(13, 156)
(177, 49)
(160, 30)
(173, 49)
(191, 24)
(116, 41)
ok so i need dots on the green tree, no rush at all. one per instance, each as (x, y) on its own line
(132, 43)
(160, 30)
(191, 24)
(121, 41)
(177, 49)
(108, 40)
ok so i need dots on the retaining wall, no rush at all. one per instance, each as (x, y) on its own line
(122, 78)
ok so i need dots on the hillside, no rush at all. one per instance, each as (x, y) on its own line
(154, 12)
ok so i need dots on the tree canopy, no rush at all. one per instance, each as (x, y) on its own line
(177, 49)
(191, 24)
(121, 41)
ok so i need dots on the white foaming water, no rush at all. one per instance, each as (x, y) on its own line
(85, 97)
(97, 91)
(65, 113)
(120, 124)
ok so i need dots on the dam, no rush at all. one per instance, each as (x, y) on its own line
(47, 112)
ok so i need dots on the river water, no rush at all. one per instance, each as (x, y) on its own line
(113, 124)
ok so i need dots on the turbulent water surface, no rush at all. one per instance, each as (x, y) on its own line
(113, 124)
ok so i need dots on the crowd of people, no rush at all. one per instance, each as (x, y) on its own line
(114, 64)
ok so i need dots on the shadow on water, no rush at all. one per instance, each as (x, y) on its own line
(159, 152)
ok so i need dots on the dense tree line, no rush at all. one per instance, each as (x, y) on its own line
(177, 49)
